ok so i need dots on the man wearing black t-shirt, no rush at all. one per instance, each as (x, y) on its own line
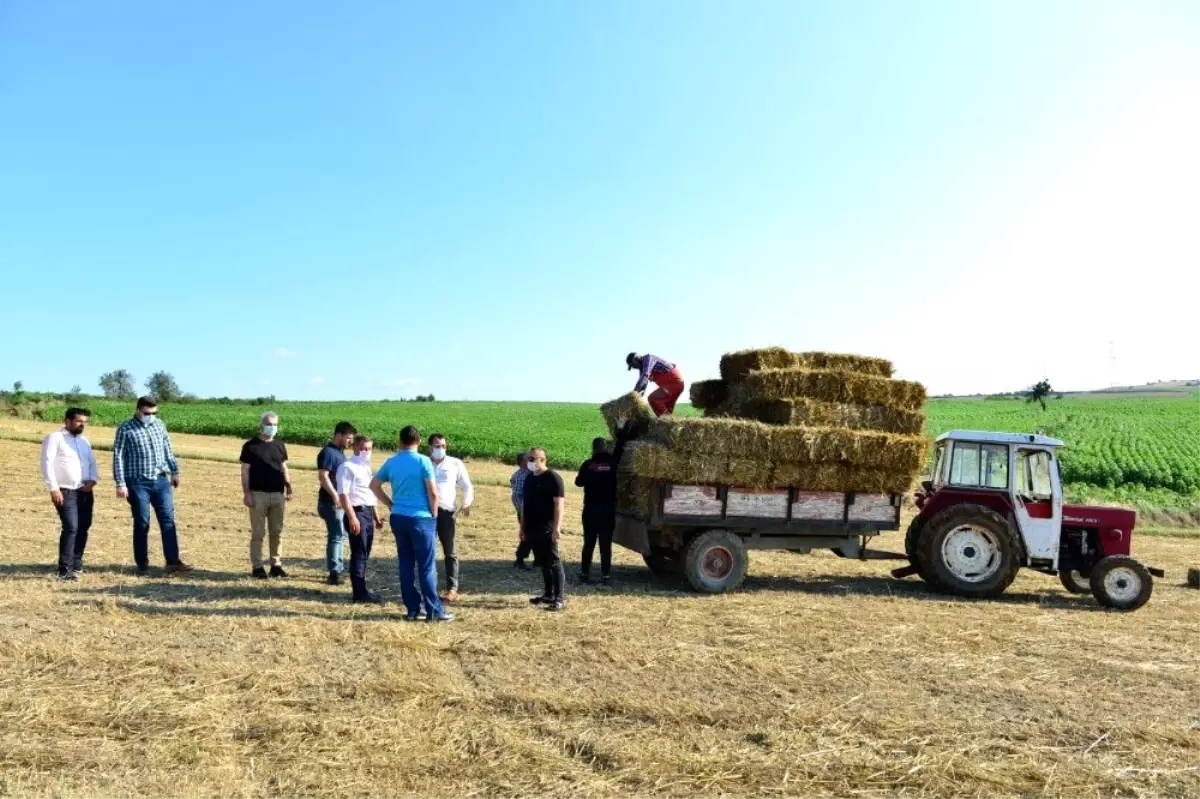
(266, 488)
(541, 525)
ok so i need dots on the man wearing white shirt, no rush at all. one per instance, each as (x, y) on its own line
(360, 515)
(69, 470)
(451, 475)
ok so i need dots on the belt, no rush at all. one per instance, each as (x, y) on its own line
(361, 508)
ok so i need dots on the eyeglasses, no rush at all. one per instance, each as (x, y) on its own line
(149, 413)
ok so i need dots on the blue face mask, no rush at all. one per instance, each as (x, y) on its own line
(147, 418)
(270, 430)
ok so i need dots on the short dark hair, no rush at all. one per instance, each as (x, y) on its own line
(343, 429)
(360, 440)
(73, 412)
(410, 434)
(538, 450)
(146, 402)
(437, 437)
(599, 442)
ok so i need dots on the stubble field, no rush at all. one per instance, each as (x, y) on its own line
(822, 677)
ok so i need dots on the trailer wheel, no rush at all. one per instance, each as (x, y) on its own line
(662, 562)
(1121, 583)
(716, 562)
(1075, 581)
(971, 551)
(911, 539)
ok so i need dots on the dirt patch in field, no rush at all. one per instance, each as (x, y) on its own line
(823, 677)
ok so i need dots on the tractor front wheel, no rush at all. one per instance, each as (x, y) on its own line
(1121, 583)
(970, 550)
(1075, 581)
(716, 561)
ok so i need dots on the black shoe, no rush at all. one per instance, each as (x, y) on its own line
(143, 571)
(67, 577)
(415, 617)
(77, 568)
(604, 581)
(522, 566)
(334, 578)
(259, 574)
(558, 604)
(540, 600)
(443, 617)
(371, 597)
(583, 577)
(277, 571)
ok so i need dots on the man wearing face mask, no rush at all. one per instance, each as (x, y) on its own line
(69, 469)
(359, 506)
(146, 472)
(266, 490)
(541, 526)
(451, 476)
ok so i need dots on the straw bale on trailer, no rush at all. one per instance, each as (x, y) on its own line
(830, 386)
(755, 441)
(736, 366)
(840, 477)
(815, 413)
(632, 407)
(709, 393)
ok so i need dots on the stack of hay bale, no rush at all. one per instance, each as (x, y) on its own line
(779, 419)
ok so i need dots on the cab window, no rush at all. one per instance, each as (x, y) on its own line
(979, 465)
(1033, 474)
(939, 460)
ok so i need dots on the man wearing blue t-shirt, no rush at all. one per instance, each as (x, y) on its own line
(413, 504)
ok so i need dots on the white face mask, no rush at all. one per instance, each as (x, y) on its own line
(362, 457)
(532, 466)
(438, 453)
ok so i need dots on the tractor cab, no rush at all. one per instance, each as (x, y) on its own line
(994, 502)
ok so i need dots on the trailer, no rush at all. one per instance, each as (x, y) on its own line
(706, 532)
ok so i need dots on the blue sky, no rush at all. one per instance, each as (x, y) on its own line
(499, 200)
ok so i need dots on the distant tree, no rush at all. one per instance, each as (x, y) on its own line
(74, 396)
(18, 389)
(1038, 393)
(117, 384)
(162, 386)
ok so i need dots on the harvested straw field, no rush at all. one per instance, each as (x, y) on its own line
(736, 366)
(823, 677)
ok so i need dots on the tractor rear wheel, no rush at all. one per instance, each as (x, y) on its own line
(971, 551)
(716, 561)
(1121, 583)
(1075, 581)
(911, 541)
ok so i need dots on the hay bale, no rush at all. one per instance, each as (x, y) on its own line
(736, 366)
(709, 393)
(815, 413)
(631, 407)
(762, 443)
(830, 386)
(839, 477)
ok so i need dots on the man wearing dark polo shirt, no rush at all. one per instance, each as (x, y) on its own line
(266, 489)
(329, 460)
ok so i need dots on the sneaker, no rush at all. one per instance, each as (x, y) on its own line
(604, 581)
(77, 568)
(521, 565)
(583, 577)
(443, 617)
(179, 567)
(334, 578)
(451, 595)
(371, 597)
(67, 577)
(259, 574)
(420, 616)
(557, 604)
(540, 600)
(143, 571)
(277, 571)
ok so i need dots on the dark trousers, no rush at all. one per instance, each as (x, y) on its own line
(360, 549)
(446, 527)
(545, 550)
(157, 494)
(76, 516)
(598, 524)
(524, 548)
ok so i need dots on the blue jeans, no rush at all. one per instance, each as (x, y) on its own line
(157, 494)
(76, 516)
(335, 536)
(416, 548)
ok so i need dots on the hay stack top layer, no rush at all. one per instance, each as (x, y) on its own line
(830, 386)
(737, 366)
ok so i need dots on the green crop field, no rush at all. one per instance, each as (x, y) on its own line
(1143, 450)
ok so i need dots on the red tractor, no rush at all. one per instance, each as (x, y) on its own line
(994, 503)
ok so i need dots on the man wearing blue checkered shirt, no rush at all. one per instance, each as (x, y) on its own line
(146, 472)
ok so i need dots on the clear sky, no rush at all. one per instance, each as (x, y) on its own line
(498, 200)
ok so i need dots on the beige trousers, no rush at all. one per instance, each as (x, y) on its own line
(267, 514)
